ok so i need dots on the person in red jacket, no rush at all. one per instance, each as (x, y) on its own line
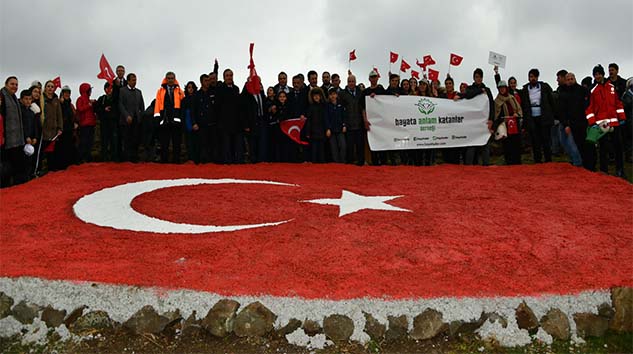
(606, 110)
(87, 122)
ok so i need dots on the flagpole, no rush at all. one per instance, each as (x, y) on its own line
(449, 65)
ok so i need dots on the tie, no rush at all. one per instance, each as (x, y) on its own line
(260, 111)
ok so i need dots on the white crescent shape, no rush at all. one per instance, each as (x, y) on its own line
(294, 127)
(111, 207)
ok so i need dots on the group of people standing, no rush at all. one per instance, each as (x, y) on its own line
(222, 123)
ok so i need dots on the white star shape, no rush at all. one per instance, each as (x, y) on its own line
(351, 202)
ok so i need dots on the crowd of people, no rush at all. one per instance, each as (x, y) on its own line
(44, 131)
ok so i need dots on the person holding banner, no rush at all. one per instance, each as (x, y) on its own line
(508, 112)
(478, 87)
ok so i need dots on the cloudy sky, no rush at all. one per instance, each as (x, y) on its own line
(42, 39)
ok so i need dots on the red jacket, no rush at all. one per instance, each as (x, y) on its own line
(85, 112)
(605, 106)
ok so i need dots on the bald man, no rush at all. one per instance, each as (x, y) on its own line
(351, 98)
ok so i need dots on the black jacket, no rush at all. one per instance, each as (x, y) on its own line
(351, 100)
(230, 119)
(548, 106)
(620, 86)
(250, 111)
(572, 102)
(283, 112)
(28, 123)
(104, 102)
(316, 121)
(298, 102)
(205, 108)
(335, 117)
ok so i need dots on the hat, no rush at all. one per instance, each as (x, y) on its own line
(502, 83)
(332, 89)
(598, 69)
(36, 83)
(66, 88)
(29, 149)
(373, 73)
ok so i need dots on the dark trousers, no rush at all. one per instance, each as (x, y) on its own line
(451, 155)
(86, 140)
(355, 140)
(170, 132)
(512, 149)
(14, 166)
(232, 148)
(611, 142)
(208, 143)
(275, 141)
(587, 150)
(109, 137)
(131, 141)
(338, 147)
(317, 151)
(541, 137)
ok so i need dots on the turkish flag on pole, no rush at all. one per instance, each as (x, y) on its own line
(352, 55)
(415, 74)
(292, 128)
(253, 86)
(57, 82)
(106, 70)
(456, 60)
(404, 66)
(393, 57)
(433, 74)
(428, 60)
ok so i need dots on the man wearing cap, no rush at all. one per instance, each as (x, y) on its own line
(606, 111)
(377, 157)
(13, 161)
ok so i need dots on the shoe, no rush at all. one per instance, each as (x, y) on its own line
(620, 174)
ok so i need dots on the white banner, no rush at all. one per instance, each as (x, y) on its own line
(414, 122)
(497, 59)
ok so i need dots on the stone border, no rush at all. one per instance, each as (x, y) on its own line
(75, 308)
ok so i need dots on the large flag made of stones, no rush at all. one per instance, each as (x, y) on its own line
(323, 231)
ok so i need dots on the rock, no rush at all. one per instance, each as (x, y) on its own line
(622, 299)
(173, 317)
(146, 320)
(5, 305)
(590, 325)
(74, 315)
(374, 329)
(92, 321)
(526, 319)
(338, 328)
(312, 328)
(219, 320)
(427, 325)
(458, 328)
(25, 313)
(191, 327)
(255, 320)
(605, 310)
(495, 317)
(290, 327)
(53, 318)
(556, 324)
(398, 327)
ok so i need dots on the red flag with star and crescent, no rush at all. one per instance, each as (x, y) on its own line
(57, 82)
(321, 231)
(404, 66)
(415, 74)
(456, 60)
(352, 55)
(393, 57)
(106, 72)
(434, 75)
(292, 128)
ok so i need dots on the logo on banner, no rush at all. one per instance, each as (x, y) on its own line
(425, 106)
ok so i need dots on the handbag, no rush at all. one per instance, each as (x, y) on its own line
(502, 131)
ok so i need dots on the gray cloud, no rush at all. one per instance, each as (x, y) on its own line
(42, 39)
